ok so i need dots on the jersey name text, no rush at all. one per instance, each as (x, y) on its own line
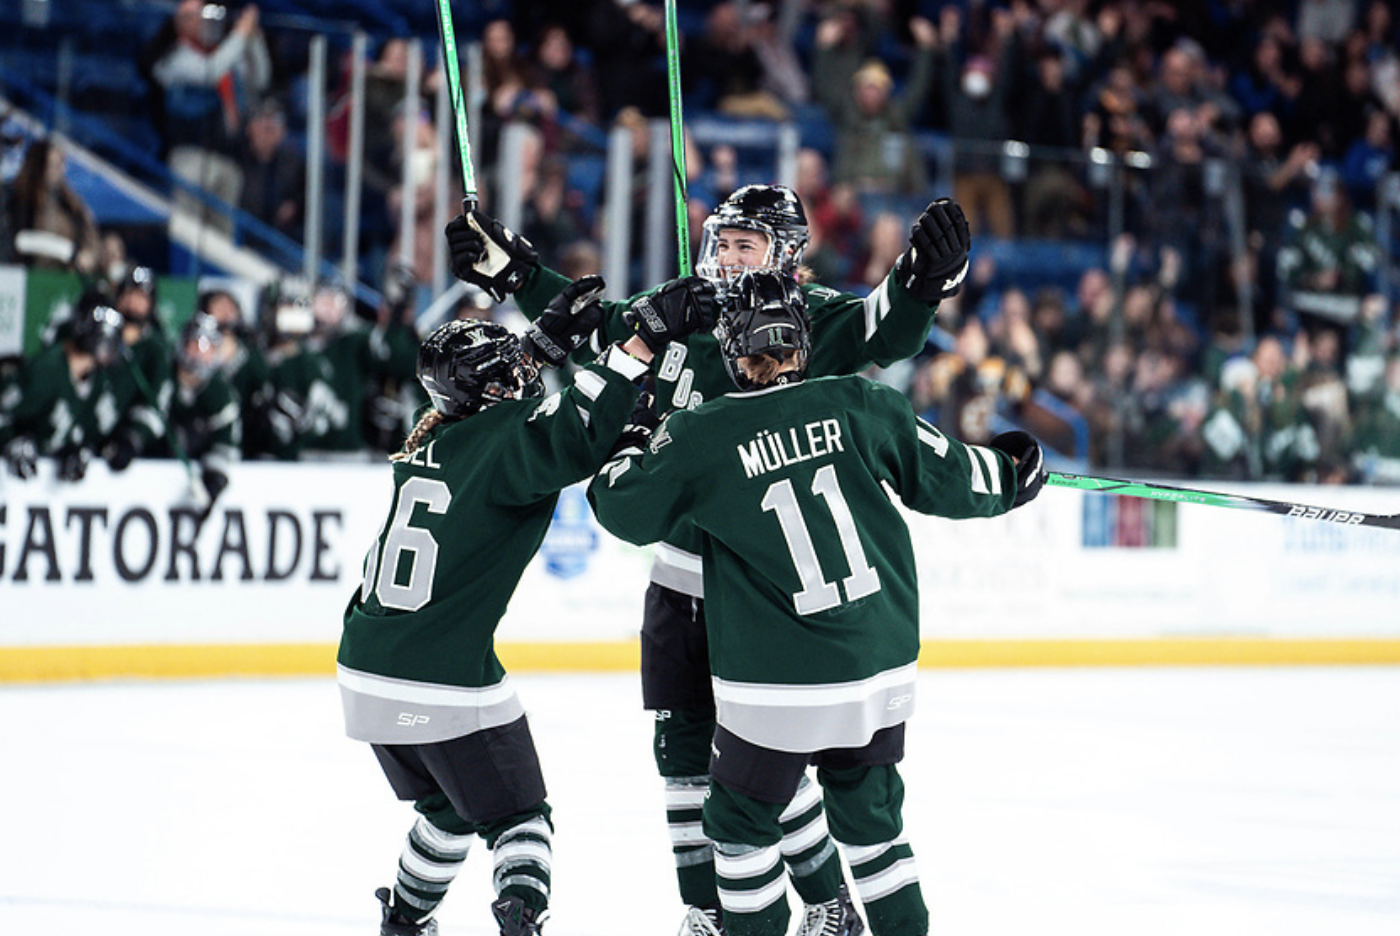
(769, 451)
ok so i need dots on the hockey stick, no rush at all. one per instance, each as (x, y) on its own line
(459, 104)
(1213, 499)
(496, 258)
(673, 72)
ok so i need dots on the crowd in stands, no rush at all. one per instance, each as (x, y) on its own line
(1248, 338)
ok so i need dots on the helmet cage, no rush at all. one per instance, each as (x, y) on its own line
(766, 314)
(467, 365)
(203, 332)
(97, 330)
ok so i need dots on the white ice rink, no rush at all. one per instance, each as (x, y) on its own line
(1209, 802)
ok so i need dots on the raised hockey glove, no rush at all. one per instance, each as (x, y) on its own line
(485, 253)
(934, 266)
(675, 310)
(1030, 463)
(72, 463)
(22, 458)
(566, 322)
(121, 449)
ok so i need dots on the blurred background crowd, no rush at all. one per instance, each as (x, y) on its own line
(1185, 257)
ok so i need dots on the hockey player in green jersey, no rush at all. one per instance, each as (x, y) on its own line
(326, 377)
(811, 596)
(48, 410)
(206, 423)
(764, 227)
(474, 491)
(134, 403)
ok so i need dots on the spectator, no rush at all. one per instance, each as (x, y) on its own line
(1266, 85)
(53, 227)
(1287, 441)
(975, 92)
(875, 149)
(1048, 117)
(628, 43)
(1328, 21)
(1329, 259)
(567, 79)
(1187, 216)
(274, 174)
(553, 216)
(1383, 52)
(1369, 159)
(773, 38)
(1376, 443)
(971, 386)
(1314, 113)
(887, 239)
(1323, 395)
(723, 70)
(210, 81)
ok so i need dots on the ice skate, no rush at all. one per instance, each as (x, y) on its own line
(836, 917)
(393, 924)
(701, 921)
(516, 919)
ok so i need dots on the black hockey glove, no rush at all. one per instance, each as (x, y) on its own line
(1030, 463)
(72, 463)
(934, 266)
(22, 458)
(487, 254)
(214, 482)
(121, 449)
(566, 322)
(675, 310)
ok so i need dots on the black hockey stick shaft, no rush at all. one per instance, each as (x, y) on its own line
(1166, 492)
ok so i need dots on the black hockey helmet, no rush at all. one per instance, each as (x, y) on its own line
(96, 328)
(764, 313)
(139, 279)
(199, 344)
(467, 364)
(772, 210)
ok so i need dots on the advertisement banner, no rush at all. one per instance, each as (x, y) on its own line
(119, 559)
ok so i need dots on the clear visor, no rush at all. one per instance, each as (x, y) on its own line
(730, 246)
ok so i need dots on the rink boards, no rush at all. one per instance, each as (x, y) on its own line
(113, 578)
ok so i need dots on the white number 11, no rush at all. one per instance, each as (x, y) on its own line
(817, 593)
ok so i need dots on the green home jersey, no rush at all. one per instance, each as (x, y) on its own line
(45, 405)
(417, 661)
(207, 422)
(849, 333)
(328, 380)
(811, 599)
(135, 391)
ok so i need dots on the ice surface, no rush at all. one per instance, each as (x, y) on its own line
(1094, 802)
